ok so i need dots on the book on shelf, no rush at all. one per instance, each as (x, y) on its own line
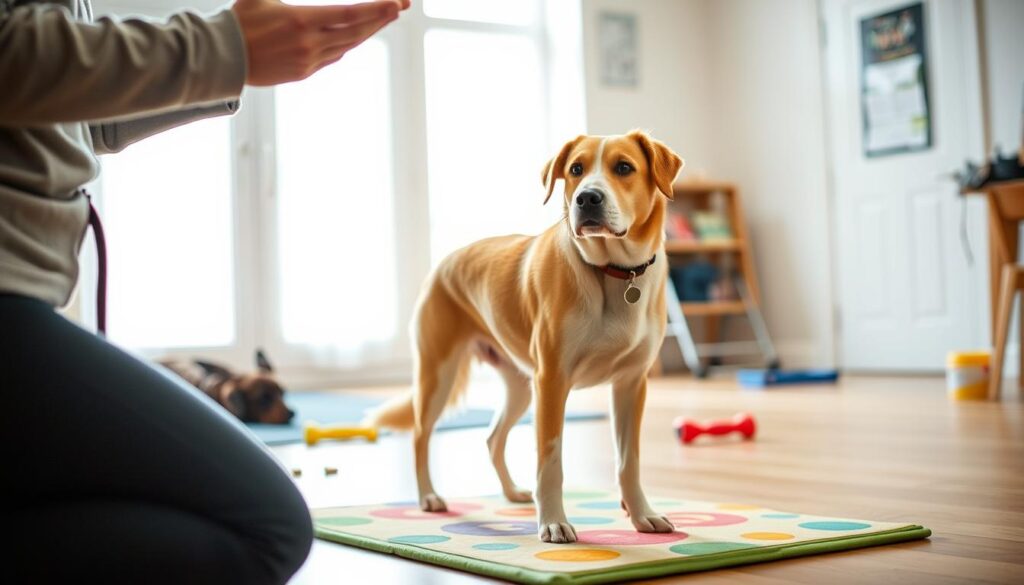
(678, 227)
(712, 226)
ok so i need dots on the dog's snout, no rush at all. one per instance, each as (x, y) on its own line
(291, 414)
(589, 198)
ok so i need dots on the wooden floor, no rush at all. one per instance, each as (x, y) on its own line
(890, 449)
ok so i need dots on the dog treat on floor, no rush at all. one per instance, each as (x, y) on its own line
(296, 472)
(330, 470)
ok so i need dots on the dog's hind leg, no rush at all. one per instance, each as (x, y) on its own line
(442, 370)
(436, 385)
(517, 399)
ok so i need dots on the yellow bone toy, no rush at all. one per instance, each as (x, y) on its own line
(314, 432)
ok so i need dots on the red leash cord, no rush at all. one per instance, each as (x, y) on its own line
(101, 277)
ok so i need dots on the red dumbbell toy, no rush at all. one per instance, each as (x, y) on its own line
(688, 429)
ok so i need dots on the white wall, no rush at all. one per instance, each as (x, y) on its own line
(735, 87)
(672, 100)
(770, 139)
(1004, 45)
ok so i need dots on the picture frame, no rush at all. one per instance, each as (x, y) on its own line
(894, 82)
(618, 49)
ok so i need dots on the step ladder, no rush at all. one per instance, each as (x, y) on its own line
(699, 357)
(722, 197)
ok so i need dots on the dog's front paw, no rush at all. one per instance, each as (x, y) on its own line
(519, 496)
(651, 522)
(558, 532)
(432, 503)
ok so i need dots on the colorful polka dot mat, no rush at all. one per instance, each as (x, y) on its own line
(490, 536)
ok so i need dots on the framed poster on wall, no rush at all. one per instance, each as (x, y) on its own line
(894, 82)
(617, 35)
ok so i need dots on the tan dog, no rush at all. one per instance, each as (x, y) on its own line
(579, 305)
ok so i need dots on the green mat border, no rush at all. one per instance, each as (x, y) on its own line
(637, 571)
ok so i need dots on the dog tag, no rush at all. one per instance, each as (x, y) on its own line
(632, 294)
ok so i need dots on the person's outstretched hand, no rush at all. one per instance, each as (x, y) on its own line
(288, 43)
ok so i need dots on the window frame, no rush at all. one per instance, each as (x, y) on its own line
(254, 190)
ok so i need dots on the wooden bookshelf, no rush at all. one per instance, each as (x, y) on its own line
(687, 188)
(697, 194)
(713, 308)
(690, 196)
(698, 246)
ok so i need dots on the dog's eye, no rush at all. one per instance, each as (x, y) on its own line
(623, 168)
(576, 169)
(266, 400)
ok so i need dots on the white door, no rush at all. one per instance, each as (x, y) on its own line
(907, 293)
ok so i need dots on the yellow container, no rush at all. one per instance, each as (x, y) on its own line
(967, 374)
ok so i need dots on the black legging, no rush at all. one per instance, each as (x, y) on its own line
(117, 472)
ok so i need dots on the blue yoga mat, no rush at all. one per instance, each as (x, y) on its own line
(765, 378)
(334, 408)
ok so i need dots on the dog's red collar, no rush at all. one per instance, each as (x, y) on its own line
(627, 273)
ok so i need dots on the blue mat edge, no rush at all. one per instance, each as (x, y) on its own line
(764, 378)
(292, 433)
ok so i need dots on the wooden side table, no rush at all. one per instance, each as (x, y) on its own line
(1005, 212)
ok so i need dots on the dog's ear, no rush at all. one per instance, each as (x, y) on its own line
(212, 369)
(233, 400)
(555, 168)
(263, 363)
(664, 163)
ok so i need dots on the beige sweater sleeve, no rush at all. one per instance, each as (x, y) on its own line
(56, 69)
(110, 137)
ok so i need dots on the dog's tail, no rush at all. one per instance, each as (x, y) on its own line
(398, 413)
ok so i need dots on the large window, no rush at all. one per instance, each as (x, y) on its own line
(334, 216)
(306, 223)
(522, 13)
(168, 212)
(484, 142)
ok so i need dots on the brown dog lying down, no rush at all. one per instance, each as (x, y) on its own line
(254, 397)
